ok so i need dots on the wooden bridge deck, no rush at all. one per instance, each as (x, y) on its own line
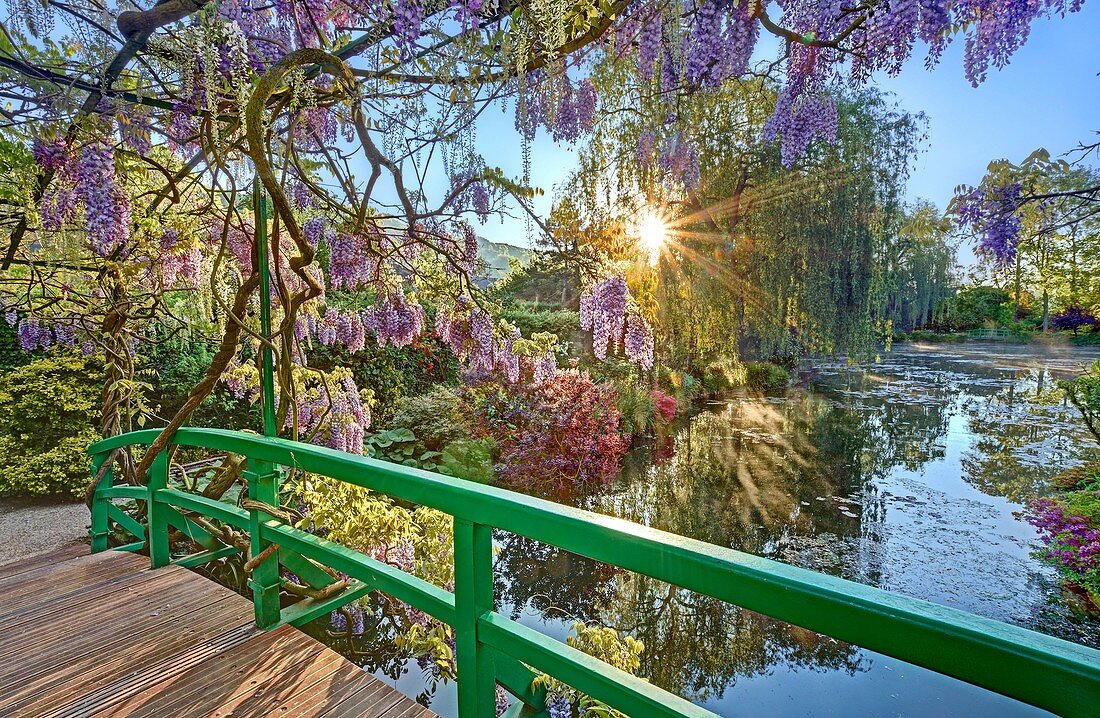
(103, 635)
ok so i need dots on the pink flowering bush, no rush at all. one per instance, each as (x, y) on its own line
(553, 436)
(666, 405)
(1070, 529)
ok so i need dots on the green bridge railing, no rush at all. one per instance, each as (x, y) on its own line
(1047, 672)
(996, 334)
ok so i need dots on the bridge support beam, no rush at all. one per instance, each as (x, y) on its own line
(263, 486)
(473, 599)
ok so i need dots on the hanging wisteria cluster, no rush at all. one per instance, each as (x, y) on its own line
(89, 181)
(697, 45)
(605, 311)
(332, 412)
(37, 335)
(565, 110)
(992, 214)
(470, 332)
(179, 266)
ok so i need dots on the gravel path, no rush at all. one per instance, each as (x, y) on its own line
(30, 527)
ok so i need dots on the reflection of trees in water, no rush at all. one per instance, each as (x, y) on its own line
(558, 583)
(761, 474)
(748, 477)
(695, 646)
(698, 646)
(901, 419)
(1023, 434)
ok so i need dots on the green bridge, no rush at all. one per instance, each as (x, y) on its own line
(1047, 672)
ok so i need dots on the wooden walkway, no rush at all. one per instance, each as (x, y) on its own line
(104, 635)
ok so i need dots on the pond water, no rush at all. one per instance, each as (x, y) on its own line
(906, 474)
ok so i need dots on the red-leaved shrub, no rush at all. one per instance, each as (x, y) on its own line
(555, 436)
(666, 405)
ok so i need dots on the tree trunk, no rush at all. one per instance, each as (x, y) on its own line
(1046, 311)
(1016, 312)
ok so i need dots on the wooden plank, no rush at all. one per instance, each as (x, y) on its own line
(135, 610)
(328, 692)
(49, 667)
(279, 688)
(104, 694)
(87, 567)
(408, 709)
(202, 688)
(102, 635)
(210, 625)
(11, 568)
(371, 702)
(69, 607)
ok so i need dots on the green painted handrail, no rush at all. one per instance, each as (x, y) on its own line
(1044, 671)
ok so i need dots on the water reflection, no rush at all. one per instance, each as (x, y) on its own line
(904, 475)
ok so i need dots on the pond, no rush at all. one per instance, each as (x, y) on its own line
(907, 474)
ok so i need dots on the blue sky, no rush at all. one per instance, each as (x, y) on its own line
(1049, 96)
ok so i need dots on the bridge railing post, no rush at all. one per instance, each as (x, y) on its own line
(263, 487)
(473, 545)
(159, 551)
(100, 530)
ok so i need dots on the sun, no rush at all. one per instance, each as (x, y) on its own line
(652, 232)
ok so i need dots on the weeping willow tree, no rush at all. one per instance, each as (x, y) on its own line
(764, 258)
(919, 266)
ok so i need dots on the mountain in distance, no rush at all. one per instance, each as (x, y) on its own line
(497, 254)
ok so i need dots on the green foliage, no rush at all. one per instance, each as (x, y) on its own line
(749, 278)
(417, 540)
(765, 376)
(470, 459)
(542, 282)
(637, 406)
(925, 335)
(11, 354)
(47, 424)
(723, 374)
(432, 417)
(1084, 393)
(680, 384)
(564, 323)
(974, 308)
(179, 364)
(1086, 339)
(391, 372)
(919, 268)
(624, 653)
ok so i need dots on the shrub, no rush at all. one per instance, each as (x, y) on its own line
(392, 372)
(723, 375)
(180, 364)
(636, 405)
(974, 307)
(556, 436)
(1084, 393)
(562, 322)
(1070, 528)
(682, 385)
(433, 417)
(765, 376)
(50, 411)
(470, 459)
(666, 405)
(1073, 318)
